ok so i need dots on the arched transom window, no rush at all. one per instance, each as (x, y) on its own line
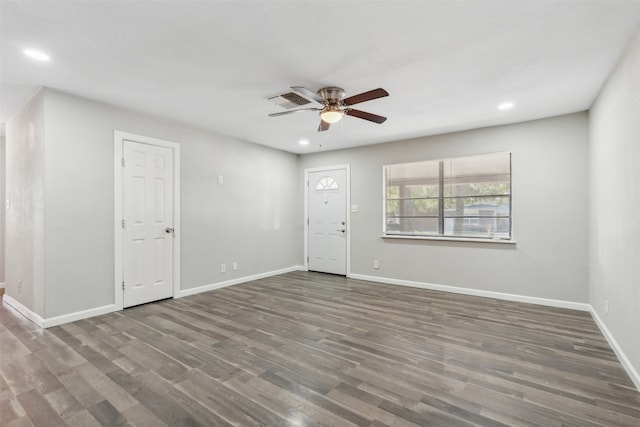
(326, 183)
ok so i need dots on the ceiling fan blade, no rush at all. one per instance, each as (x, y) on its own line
(323, 126)
(365, 96)
(308, 93)
(364, 115)
(284, 113)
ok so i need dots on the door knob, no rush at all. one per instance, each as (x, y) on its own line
(168, 230)
(343, 230)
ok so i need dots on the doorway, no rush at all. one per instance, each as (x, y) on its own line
(327, 228)
(147, 219)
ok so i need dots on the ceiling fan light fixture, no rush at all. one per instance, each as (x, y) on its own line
(331, 115)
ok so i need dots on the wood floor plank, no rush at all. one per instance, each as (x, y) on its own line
(38, 409)
(10, 409)
(140, 416)
(274, 399)
(63, 402)
(315, 349)
(226, 402)
(19, 422)
(107, 415)
(82, 419)
(364, 404)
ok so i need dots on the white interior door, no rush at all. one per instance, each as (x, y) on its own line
(148, 223)
(328, 221)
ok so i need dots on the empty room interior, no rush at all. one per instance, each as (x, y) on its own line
(302, 213)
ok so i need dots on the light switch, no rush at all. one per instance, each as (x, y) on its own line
(220, 179)
(354, 208)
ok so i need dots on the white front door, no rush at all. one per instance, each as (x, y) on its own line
(148, 223)
(328, 221)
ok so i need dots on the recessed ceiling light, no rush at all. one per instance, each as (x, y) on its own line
(505, 106)
(37, 55)
(303, 142)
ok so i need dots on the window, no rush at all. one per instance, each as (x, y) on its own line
(327, 183)
(466, 197)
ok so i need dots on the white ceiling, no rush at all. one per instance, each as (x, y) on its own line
(446, 64)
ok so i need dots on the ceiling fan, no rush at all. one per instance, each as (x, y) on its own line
(335, 105)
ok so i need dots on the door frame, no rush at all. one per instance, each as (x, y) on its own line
(347, 168)
(118, 174)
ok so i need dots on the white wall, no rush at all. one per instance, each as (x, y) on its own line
(549, 212)
(3, 175)
(255, 218)
(24, 221)
(614, 204)
(246, 220)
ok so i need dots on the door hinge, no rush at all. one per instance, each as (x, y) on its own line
(307, 260)
(122, 161)
(123, 224)
(307, 221)
(123, 285)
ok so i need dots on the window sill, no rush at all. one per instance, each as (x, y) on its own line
(449, 239)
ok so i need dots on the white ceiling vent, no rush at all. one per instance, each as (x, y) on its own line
(288, 100)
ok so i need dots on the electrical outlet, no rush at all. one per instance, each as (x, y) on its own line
(223, 268)
(606, 306)
(220, 179)
(376, 264)
(234, 266)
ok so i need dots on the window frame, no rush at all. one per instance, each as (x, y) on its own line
(441, 215)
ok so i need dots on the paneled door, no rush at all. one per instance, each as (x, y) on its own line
(148, 223)
(327, 210)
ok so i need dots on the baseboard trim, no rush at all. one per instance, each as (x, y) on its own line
(78, 315)
(476, 292)
(624, 360)
(58, 320)
(85, 314)
(219, 285)
(20, 308)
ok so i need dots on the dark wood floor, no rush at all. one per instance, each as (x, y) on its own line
(307, 349)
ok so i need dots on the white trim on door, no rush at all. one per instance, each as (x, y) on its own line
(118, 140)
(347, 168)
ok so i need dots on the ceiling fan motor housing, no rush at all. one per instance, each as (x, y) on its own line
(333, 95)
